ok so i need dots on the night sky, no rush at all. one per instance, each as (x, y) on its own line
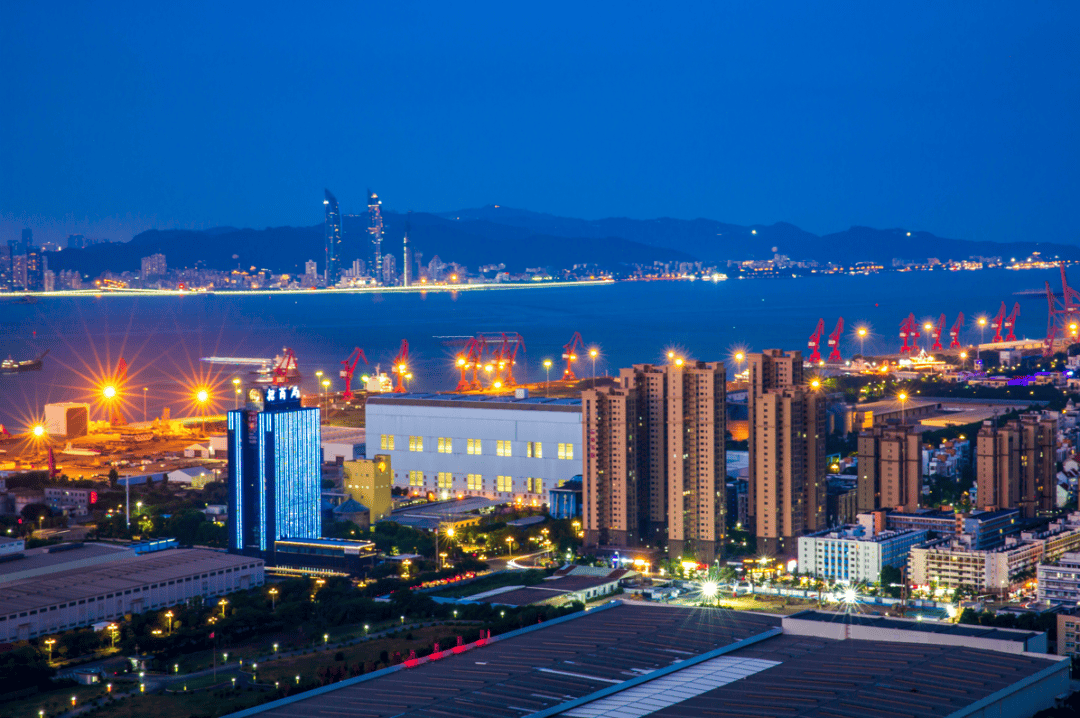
(957, 118)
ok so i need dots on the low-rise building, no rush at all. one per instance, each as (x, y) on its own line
(855, 553)
(72, 500)
(564, 501)
(369, 482)
(1059, 582)
(978, 529)
(53, 589)
(949, 563)
(1068, 634)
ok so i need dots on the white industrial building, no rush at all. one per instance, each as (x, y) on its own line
(67, 419)
(499, 447)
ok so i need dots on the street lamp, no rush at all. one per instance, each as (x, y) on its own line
(236, 385)
(982, 330)
(903, 402)
(273, 598)
(223, 602)
(963, 359)
(325, 387)
(593, 353)
(145, 389)
(547, 381)
(509, 544)
(169, 615)
(325, 638)
(861, 333)
(202, 396)
(50, 642)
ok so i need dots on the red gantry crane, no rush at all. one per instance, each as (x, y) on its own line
(999, 320)
(401, 366)
(954, 333)
(285, 368)
(936, 333)
(570, 354)
(1055, 317)
(1010, 322)
(814, 342)
(834, 342)
(470, 359)
(909, 332)
(348, 366)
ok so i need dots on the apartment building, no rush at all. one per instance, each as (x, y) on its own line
(787, 488)
(1015, 464)
(890, 468)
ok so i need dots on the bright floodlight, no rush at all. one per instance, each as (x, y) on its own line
(39, 431)
(739, 356)
(709, 589)
(202, 395)
(461, 361)
(109, 391)
(850, 596)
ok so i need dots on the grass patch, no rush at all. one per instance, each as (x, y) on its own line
(55, 701)
(185, 705)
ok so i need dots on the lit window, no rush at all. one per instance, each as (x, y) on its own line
(502, 448)
(474, 446)
(566, 451)
(535, 450)
(446, 480)
(386, 442)
(504, 483)
(416, 443)
(474, 482)
(445, 445)
(416, 478)
(534, 486)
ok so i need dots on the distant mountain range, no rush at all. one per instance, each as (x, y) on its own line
(519, 238)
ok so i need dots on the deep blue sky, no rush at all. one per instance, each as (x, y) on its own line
(957, 118)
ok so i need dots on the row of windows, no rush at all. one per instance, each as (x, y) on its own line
(475, 482)
(445, 445)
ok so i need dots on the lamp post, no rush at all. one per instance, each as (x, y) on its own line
(903, 405)
(223, 602)
(145, 389)
(169, 615)
(861, 333)
(593, 353)
(547, 380)
(202, 396)
(963, 359)
(50, 642)
(236, 386)
(982, 330)
(509, 544)
(325, 388)
(273, 599)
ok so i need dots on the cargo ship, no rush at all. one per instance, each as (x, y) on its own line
(11, 366)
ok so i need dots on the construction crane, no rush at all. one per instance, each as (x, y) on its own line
(570, 354)
(999, 320)
(815, 342)
(909, 332)
(834, 341)
(401, 366)
(348, 366)
(285, 367)
(1010, 322)
(954, 333)
(936, 333)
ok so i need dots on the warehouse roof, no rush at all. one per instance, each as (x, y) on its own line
(48, 559)
(480, 401)
(133, 571)
(637, 660)
(952, 629)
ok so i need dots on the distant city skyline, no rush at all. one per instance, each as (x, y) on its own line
(120, 118)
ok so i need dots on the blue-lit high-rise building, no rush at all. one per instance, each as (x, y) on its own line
(333, 239)
(275, 474)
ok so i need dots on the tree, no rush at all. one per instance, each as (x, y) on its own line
(891, 575)
(114, 476)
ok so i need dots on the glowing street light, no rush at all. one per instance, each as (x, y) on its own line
(169, 615)
(547, 381)
(109, 391)
(236, 386)
(861, 332)
(273, 600)
(982, 329)
(50, 642)
(38, 431)
(509, 544)
(593, 353)
(223, 602)
(903, 405)
(325, 387)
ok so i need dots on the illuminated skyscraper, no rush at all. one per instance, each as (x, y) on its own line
(333, 239)
(275, 473)
(375, 229)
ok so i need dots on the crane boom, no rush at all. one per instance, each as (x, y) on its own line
(348, 366)
(814, 342)
(834, 341)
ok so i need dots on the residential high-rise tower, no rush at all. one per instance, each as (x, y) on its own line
(333, 238)
(787, 490)
(1015, 464)
(890, 469)
(375, 229)
(655, 468)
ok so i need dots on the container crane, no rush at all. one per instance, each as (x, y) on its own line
(470, 359)
(999, 320)
(1010, 322)
(909, 331)
(1053, 318)
(936, 333)
(401, 366)
(348, 366)
(954, 333)
(815, 342)
(834, 342)
(285, 367)
(508, 350)
(570, 354)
